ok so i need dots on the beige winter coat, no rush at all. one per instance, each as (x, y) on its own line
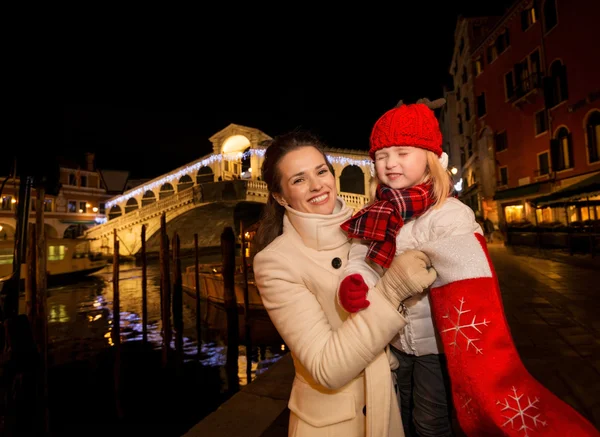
(340, 359)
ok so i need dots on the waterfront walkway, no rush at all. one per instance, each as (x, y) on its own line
(552, 306)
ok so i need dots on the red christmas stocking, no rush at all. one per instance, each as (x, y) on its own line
(493, 393)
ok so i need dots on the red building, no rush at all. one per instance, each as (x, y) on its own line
(537, 95)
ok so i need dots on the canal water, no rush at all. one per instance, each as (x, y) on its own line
(152, 399)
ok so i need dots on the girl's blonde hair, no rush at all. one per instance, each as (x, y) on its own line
(434, 173)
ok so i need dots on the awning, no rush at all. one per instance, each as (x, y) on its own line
(588, 187)
(522, 191)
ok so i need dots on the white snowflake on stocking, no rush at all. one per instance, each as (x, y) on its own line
(522, 416)
(459, 329)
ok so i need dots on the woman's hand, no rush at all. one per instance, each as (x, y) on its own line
(410, 273)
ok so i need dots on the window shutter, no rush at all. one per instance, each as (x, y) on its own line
(548, 92)
(524, 20)
(564, 92)
(518, 80)
(554, 150)
(570, 145)
(592, 142)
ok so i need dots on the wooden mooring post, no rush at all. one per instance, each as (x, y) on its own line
(41, 311)
(247, 337)
(177, 302)
(165, 289)
(197, 282)
(230, 302)
(116, 329)
(144, 289)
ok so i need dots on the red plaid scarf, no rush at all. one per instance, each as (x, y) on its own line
(382, 220)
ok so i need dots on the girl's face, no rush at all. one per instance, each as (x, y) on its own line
(401, 166)
(307, 185)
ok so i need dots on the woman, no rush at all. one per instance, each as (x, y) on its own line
(343, 384)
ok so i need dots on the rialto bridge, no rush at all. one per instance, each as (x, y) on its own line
(206, 195)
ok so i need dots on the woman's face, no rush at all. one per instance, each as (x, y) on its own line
(307, 185)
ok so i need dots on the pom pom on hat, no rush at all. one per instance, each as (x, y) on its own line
(413, 125)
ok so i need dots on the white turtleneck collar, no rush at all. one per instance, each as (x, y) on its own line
(320, 231)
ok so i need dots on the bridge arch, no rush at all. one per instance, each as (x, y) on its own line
(7, 232)
(205, 174)
(131, 205)
(115, 212)
(352, 180)
(184, 183)
(166, 190)
(149, 198)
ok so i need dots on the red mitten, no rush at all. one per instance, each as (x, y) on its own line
(353, 293)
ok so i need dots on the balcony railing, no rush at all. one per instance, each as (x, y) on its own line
(526, 88)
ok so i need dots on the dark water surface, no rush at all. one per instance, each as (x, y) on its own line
(155, 400)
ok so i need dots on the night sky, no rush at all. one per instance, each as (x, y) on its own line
(168, 80)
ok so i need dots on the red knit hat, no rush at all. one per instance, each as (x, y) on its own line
(413, 125)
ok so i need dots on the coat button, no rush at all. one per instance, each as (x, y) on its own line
(365, 410)
(336, 263)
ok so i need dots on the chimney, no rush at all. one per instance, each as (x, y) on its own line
(89, 161)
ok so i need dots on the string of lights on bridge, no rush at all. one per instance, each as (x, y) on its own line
(341, 160)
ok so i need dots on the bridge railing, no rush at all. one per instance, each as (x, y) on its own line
(353, 200)
(182, 197)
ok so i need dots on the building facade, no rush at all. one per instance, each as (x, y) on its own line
(537, 110)
(471, 157)
(79, 205)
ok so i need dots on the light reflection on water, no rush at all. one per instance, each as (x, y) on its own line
(80, 321)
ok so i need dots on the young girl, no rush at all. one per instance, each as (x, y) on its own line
(462, 315)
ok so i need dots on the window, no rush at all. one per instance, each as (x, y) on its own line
(72, 206)
(469, 148)
(502, 42)
(56, 253)
(509, 85)
(7, 203)
(481, 109)
(72, 179)
(460, 125)
(527, 75)
(82, 207)
(550, 16)
(541, 122)
(48, 205)
(528, 18)
(503, 176)
(593, 136)
(561, 150)
(501, 141)
(83, 180)
(101, 208)
(555, 85)
(491, 53)
(478, 65)
(543, 164)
